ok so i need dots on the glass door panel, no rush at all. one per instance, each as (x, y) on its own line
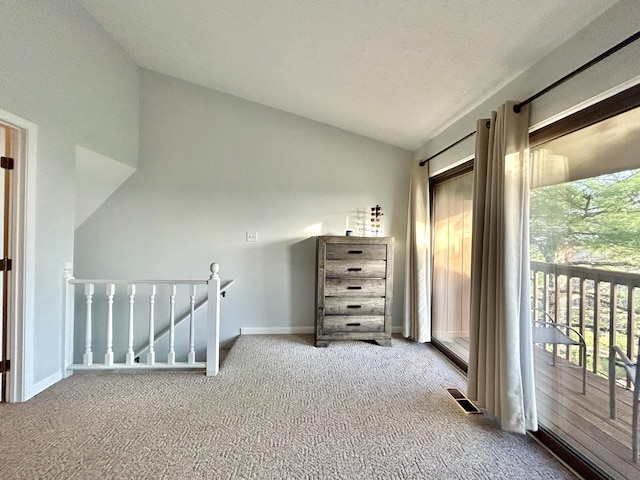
(585, 276)
(452, 221)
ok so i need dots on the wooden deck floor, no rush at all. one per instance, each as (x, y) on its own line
(582, 420)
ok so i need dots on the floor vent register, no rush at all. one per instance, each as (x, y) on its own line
(462, 401)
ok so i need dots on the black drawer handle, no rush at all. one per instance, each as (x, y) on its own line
(354, 288)
(355, 251)
(354, 306)
(354, 269)
(353, 324)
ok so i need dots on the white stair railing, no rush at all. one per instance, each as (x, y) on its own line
(215, 287)
(166, 332)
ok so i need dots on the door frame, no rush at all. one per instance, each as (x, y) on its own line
(21, 284)
(462, 167)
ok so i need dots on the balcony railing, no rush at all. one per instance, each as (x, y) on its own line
(601, 304)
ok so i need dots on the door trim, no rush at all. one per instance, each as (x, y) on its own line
(22, 249)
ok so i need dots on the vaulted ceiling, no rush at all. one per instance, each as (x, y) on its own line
(399, 71)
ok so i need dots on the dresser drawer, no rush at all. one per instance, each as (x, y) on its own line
(354, 306)
(358, 287)
(336, 251)
(356, 269)
(345, 323)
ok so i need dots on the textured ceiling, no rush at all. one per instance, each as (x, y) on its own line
(398, 71)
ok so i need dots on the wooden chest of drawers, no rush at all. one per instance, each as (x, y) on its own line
(354, 281)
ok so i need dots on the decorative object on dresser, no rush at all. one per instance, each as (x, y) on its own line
(376, 221)
(354, 282)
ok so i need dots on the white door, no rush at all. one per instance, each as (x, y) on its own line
(18, 141)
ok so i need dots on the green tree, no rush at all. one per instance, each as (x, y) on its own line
(594, 221)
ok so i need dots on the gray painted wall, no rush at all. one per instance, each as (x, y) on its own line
(61, 71)
(213, 167)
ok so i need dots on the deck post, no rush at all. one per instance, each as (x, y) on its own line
(213, 321)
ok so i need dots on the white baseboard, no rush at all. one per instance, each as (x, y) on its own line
(290, 330)
(43, 384)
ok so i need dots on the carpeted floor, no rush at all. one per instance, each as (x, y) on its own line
(280, 408)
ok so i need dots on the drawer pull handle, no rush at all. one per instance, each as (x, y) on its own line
(353, 324)
(355, 251)
(354, 269)
(354, 288)
(354, 306)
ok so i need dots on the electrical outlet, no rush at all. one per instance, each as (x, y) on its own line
(252, 236)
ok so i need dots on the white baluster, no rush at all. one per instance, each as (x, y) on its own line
(191, 358)
(88, 355)
(213, 322)
(151, 355)
(171, 358)
(110, 292)
(131, 290)
(69, 307)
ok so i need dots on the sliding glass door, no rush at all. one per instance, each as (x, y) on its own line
(451, 217)
(585, 276)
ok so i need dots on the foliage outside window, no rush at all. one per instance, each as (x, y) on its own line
(585, 214)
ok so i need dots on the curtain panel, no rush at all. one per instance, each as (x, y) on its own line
(501, 374)
(417, 292)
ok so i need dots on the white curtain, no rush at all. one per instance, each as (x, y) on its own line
(417, 293)
(501, 376)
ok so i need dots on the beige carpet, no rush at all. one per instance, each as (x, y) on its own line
(280, 408)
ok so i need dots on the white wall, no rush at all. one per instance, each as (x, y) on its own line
(213, 167)
(61, 71)
(615, 25)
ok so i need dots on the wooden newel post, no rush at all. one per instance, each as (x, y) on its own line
(213, 321)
